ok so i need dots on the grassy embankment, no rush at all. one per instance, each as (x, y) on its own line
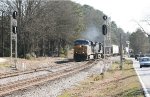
(114, 83)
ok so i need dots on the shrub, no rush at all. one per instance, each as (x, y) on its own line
(30, 56)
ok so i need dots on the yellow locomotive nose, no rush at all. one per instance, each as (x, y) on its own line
(80, 49)
(80, 52)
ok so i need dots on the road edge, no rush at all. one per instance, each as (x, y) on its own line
(143, 86)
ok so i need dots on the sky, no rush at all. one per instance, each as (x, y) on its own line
(126, 13)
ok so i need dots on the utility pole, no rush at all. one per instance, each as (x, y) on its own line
(128, 43)
(2, 37)
(120, 51)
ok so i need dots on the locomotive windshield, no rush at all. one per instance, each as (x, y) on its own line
(81, 42)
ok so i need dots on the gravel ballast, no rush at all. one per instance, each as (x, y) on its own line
(54, 88)
(22, 77)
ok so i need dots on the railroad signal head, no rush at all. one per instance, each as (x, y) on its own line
(14, 15)
(14, 29)
(14, 22)
(105, 17)
(104, 29)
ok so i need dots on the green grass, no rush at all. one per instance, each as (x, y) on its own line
(65, 95)
(121, 83)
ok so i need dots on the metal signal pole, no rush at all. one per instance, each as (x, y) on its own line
(13, 36)
(104, 31)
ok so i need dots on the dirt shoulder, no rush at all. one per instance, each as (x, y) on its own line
(114, 83)
(24, 64)
(2, 60)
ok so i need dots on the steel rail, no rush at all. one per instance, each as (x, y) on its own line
(22, 84)
(17, 73)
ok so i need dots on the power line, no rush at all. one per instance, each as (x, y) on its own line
(142, 28)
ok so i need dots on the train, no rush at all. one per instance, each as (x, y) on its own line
(86, 50)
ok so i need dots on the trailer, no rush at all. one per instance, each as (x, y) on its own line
(115, 50)
(112, 50)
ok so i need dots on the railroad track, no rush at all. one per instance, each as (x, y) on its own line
(11, 74)
(17, 73)
(14, 86)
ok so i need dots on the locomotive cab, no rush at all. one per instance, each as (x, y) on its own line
(82, 50)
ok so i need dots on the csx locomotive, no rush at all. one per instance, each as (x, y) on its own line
(85, 50)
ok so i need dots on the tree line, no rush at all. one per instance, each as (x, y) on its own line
(48, 27)
(139, 42)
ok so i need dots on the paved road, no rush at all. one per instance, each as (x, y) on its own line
(144, 77)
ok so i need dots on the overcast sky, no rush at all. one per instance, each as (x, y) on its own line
(123, 12)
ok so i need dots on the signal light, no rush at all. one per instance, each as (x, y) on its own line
(105, 17)
(14, 29)
(104, 29)
(14, 22)
(14, 15)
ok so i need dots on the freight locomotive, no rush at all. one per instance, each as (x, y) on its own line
(86, 50)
